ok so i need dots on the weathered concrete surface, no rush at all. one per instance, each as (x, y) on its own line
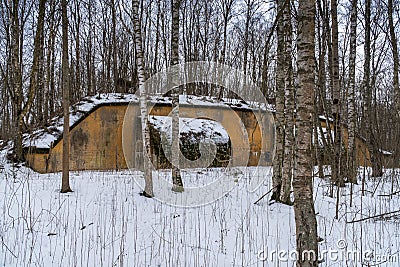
(97, 142)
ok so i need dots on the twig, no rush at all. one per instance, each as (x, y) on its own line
(258, 200)
(4, 244)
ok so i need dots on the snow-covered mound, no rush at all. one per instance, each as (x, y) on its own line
(44, 138)
(191, 129)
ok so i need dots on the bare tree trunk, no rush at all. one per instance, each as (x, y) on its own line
(114, 45)
(249, 6)
(37, 63)
(289, 107)
(306, 224)
(51, 88)
(279, 113)
(91, 90)
(351, 149)
(65, 187)
(321, 89)
(176, 173)
(367, 58)
(265, 73)
(368, 111)
(336, 173)
(226, 6)
(77, 18)
(148, 190)
(16, 84)
(157, 41)
(280, 104)
(396, 87)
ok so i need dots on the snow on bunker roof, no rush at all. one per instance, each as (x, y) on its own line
(50, 134)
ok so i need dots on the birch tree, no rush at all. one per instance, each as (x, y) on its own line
(280, 105)
(306, 224)
(148, 190)
(65, 187)
(176, 173)
(289, 106)
(284, 118)
(351, 149)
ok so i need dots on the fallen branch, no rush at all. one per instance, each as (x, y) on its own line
(389, 195)
(9, 250)
(373, 217)
(258, 200)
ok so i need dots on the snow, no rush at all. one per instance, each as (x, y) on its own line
(105, 222)
(386, 153)
(326, 135)
(44, 138)
(322, 117)
(211, 130)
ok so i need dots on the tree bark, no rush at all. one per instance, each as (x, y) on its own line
(289, 106)
(37, 63)
(351, 148)
(306, 224)
(368, 111)
(280, 106)
(226, 6)
(78, 83)
(16, 78)
(249, 6)
(336, 112)
(176, 173)
(396, 87)
(321, 89)
(148, 190)
(65, 187)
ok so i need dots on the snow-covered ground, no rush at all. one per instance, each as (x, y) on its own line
(105, 222)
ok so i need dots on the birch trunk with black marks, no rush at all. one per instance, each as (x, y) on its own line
(321, 88)
(351, 148)
(279, 107)
(289, 106)
(148, 190)
(306, 224)
(65, 187)
(176, 172)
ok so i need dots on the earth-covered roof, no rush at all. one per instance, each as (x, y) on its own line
(46, 137)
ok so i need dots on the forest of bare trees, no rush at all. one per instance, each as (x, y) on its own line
(336, 59)
(356, 56)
